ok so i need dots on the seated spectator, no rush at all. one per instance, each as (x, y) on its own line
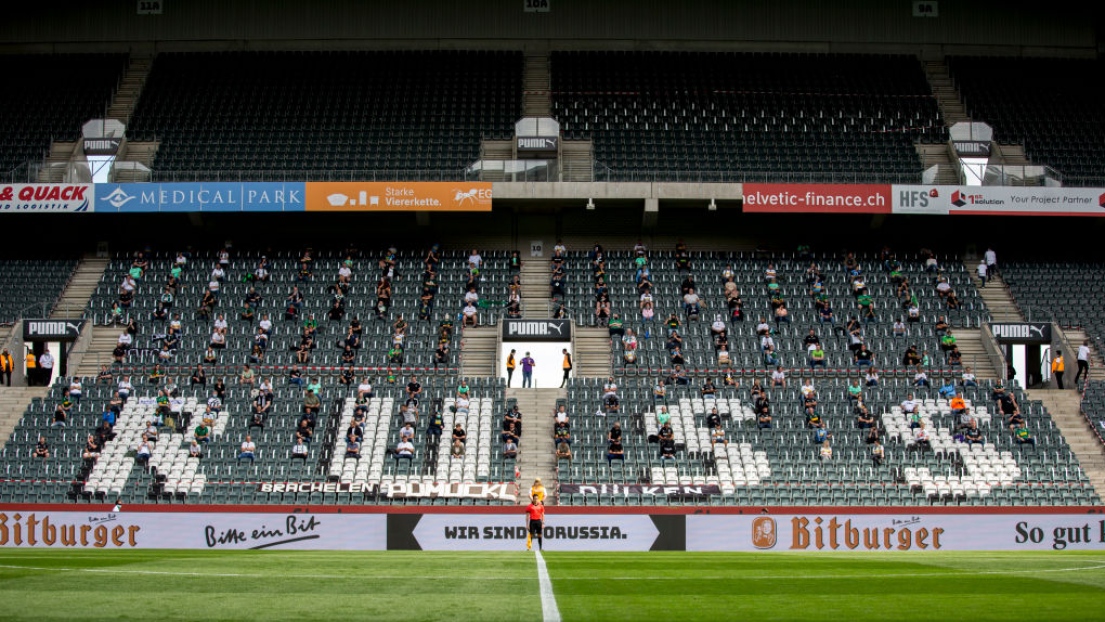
(470, 317)
(779, 377)
(920, 379)
(921, 437)
(61, 414)
(863, 356)
(667, 449)
(92, 448)
(456, 449)
(616, 326)
(1023, 437)
(911, 358)
(973, 435)
(957, 404)
(563, 451)
(305, 431)
(663, 417)
(948, 341)
(900, 329)
(771, 359)
(968, 377)
(723, 358)
(807, 389)
(855, 392)
(510, 449)
(151, 431)
(615, 451)
(872, 377)
(202, 433)
(248, 450)
(404, 451)
(763, 417)
(353, 449)
(826, 452)
(717, 435)
(864, 418)
(311, 404)
(435, 428)
(42, 448)
(955, 357)
(817, 356)
(878, 454)
(300, 449)
(195, 449)
(708, 390)
(691, 304)
(459, 435)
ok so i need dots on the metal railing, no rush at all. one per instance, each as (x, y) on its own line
(290, 175)
(607, 174)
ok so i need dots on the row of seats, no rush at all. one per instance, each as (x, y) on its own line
(1049, 105)
(30, 287)
(350, 111)
(53, 95)
(731, 116)
(782, 465)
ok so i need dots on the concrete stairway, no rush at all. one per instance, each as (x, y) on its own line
(74, 299)
(996, 295)
(1066, 410)
(536, 81)
(100, 346)
(536, 458)
(56, 169)
(945, 91)
(1076, 336)
(577, 160)
(970, 345)
(939, 155)
(478, 351)
(130, 87)
(535, 289)
(13, 403)
(591, 358)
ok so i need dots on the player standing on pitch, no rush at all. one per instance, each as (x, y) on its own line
(536, 513)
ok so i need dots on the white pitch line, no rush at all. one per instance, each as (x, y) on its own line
(546, 583)
(549, 610)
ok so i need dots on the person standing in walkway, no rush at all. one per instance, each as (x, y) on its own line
(30, 369)
(567, 367)
(7, 366)
(45, 368)
(1083, 362)
(509, 367)
(527, 371)
(1057, 368)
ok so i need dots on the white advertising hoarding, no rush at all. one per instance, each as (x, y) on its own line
(896, 532)
(191, 530)
(988, 200)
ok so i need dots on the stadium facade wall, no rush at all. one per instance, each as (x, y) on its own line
(587, 529)
(623, 24)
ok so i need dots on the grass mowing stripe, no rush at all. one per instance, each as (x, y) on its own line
(549, 611)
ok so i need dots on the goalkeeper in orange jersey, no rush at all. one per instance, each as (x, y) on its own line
(535, 512)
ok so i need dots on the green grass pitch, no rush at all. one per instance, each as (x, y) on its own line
(274, 585)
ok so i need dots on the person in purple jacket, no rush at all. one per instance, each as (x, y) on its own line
(527, 371)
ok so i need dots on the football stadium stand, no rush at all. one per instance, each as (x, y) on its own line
(1048, 104)
(53, 95)
(337, 115)
(748, 117)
